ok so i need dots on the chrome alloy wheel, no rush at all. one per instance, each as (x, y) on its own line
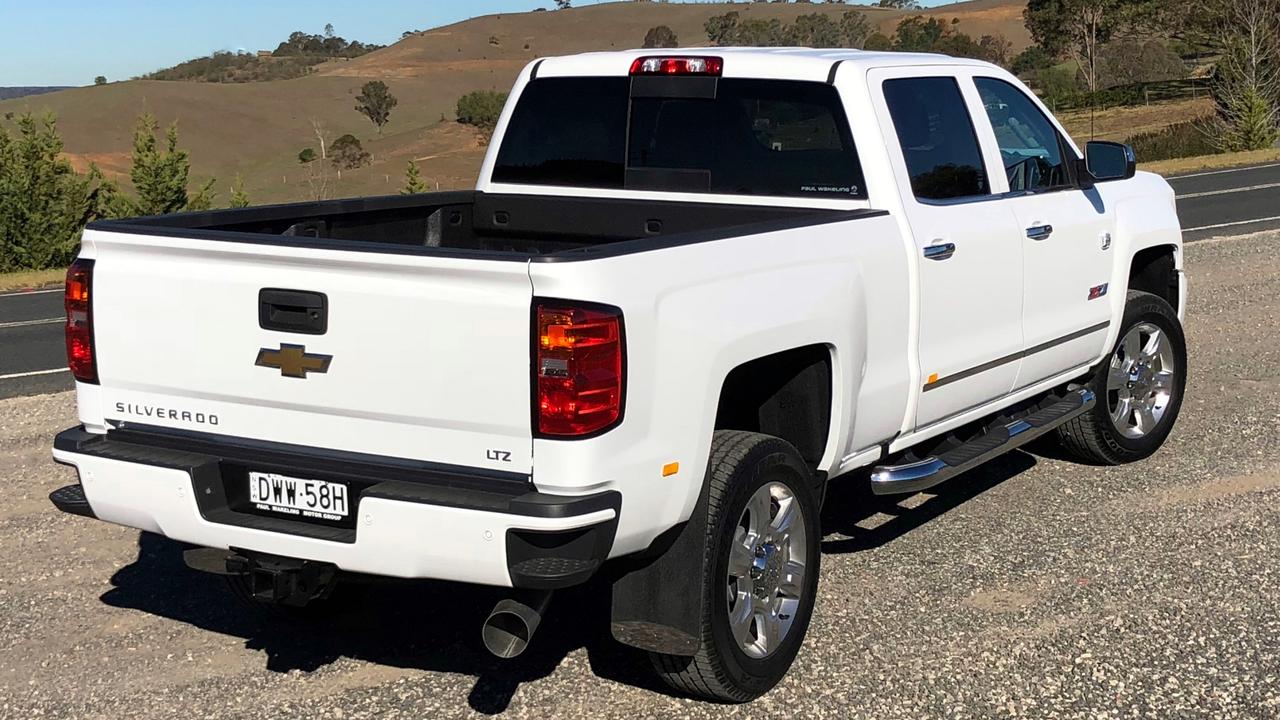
(766, 572)
(1140, 380)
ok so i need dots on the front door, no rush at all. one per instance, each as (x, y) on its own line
(1064, 231)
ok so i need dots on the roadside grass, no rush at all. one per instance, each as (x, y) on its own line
(1178, 166)
(30, 279)
(1120, 123)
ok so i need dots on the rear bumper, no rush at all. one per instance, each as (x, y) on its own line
(406, 522)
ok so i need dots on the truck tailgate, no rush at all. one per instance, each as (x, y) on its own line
(428, 356)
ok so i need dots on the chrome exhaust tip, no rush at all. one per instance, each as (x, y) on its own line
(510, 626)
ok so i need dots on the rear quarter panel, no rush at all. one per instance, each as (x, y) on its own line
(694, 312)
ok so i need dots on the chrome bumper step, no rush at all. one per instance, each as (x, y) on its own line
(923, 474)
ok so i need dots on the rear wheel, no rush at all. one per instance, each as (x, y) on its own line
(761, 574)
(1139, 389)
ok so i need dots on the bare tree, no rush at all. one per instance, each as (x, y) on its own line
(1077, 27)
(1247, 79)
(321, 183)
(1089, 29)
(322, 136)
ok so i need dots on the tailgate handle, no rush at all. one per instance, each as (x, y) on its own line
(295, 311)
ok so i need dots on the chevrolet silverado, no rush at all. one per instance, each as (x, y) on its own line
(691, 289)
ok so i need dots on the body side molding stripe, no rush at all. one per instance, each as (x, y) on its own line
(1015, 356)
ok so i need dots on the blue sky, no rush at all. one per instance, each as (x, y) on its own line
(69, 42)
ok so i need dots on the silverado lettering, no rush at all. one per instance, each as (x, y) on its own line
(160, 413)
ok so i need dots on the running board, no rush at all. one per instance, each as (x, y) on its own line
(923, 474)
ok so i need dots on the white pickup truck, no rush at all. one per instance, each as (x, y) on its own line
(689, 291)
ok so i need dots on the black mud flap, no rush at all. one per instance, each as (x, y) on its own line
(657, 603)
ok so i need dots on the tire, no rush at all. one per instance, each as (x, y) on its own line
(1095, 436)
(742, 465)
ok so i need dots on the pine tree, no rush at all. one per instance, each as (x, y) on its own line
(44, 203)
(413, 182)
(160, 176)
(202, 199)
(239, 198)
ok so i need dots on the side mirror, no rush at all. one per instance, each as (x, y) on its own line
(1109, 161)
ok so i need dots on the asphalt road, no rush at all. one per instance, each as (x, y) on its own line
(32, 353)
(1032, 587)
(1210, 204)
(1228, 202)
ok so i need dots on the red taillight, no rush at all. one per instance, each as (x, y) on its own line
(79, 329)
(677, 66)
(577, 368)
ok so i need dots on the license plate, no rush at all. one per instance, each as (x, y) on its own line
(301, 497)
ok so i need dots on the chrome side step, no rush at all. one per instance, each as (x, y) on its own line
(923, 474)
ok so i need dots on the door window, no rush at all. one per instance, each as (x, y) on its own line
(1030, 147)
(937, 138)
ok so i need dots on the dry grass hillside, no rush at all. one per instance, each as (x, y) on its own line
(257, 129)
(470, 45)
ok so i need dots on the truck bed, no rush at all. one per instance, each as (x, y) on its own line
(475, 224)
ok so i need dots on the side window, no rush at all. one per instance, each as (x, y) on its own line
(1030, 147)
(937, 138)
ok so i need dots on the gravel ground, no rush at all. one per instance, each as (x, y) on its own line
(1032, 587)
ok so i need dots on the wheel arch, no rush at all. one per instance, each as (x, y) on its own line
(1155, 270)
(789, 394)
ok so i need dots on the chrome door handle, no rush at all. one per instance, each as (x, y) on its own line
(939, 252)
(1040, 232)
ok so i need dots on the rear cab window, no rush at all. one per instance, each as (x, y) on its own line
(937, 137)
(567, 131)
(754, 137)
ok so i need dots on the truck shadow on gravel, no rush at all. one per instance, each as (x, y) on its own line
(423, 625)
(435, 626)
(867, 521)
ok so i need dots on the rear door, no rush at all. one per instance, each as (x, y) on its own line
(1064, 232)
(423, 358)
(970, 256)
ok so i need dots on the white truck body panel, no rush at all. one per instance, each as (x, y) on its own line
(396, 539)
(432, 352)
(844, 288)
(406, 330)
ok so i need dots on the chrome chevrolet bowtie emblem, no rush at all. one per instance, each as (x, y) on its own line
(293, 361)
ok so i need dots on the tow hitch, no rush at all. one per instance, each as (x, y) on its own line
(270, 578)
